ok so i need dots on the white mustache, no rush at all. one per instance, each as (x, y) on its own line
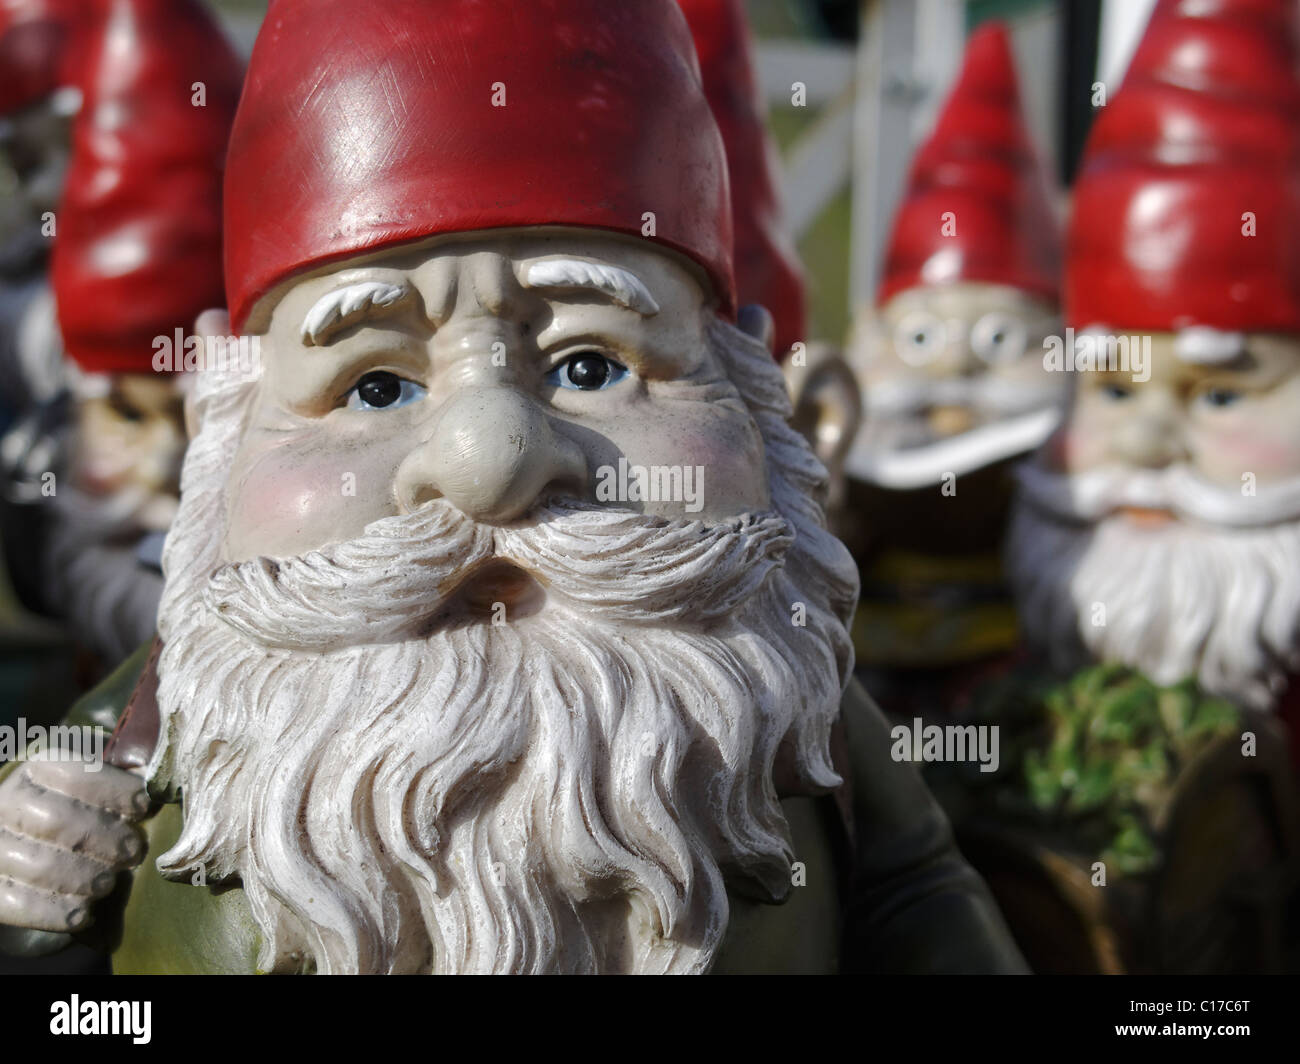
(1088, 497)
(391, 583)
(988, 394)
(907, 469)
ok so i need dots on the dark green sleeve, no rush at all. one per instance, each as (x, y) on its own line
(916, 906)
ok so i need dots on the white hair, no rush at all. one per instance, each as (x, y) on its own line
(572, 791)
(1183, 599)
(621, 285)
(343, 306)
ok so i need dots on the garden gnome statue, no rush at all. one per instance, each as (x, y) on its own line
(137, 257)
(827, 405)
(40, 47)
(1158, 532)
(950, 362)
(501, 630)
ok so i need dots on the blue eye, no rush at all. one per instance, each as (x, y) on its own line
(586, 371)
(1220, 397)
(1116, 391)
(382, 390)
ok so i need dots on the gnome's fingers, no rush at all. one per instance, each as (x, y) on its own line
(41, 910)
(111, 789)
(51, 817)
(50, 869)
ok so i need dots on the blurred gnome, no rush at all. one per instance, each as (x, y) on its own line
(40, 48)
(768, 274)
(1161, 527)
(435, 700)
(1155, 546)
(766, 266)
(137, 257)
(954, 388)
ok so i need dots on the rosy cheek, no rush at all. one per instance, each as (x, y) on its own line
(1070, 449)
(1245, 452)
(280, 508)
(274, 498)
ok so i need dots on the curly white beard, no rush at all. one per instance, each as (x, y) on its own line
(1182, 599)
(572, 791)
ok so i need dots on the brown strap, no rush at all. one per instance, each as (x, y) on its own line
(133, 740)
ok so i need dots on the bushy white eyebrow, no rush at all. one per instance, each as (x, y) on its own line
(343, 306)
(620, 285)
(1202, 345)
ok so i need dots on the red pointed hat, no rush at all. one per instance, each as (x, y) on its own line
(767, 266)
(1200, 145)
(364, 126)
(137, 251)
(38, 48)
(980, 172)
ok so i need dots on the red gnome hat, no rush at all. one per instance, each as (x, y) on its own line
(37, 48)
(137, 252)
(1187, 209)
(976, 206)
(767, 267)
(364, 126)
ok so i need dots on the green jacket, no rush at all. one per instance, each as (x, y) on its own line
(884, 888)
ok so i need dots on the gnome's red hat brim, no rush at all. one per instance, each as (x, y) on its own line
(366, 126)
(976, 206)
(1187, 206)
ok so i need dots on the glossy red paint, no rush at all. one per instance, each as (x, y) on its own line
(767, 266)
(1200, 147)
(137, 252)
(976, 206)
(365, 126)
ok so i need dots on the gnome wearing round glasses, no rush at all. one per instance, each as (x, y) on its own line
(501, 629)
(1155, 546)
(953, 382)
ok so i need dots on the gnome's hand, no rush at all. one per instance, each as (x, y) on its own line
(65, 834)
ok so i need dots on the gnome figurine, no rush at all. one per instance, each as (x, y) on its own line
(827, 407)
(1155, 548)
(137, 256)
(950, 363)
(40, 47)
(501, 629)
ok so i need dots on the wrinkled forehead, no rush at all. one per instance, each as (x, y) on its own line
(501, 270)
(1189, 356)
(966, 300)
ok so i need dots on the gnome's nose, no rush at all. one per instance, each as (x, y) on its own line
(1150, 438)
(492, 455)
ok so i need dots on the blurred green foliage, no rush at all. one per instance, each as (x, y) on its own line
(1097, 753)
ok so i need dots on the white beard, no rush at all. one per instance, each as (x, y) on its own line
(1182, 599)
(574, 791)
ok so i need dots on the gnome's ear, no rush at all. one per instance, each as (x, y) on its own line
(754, 320)
(827, 405)
(215, 322)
